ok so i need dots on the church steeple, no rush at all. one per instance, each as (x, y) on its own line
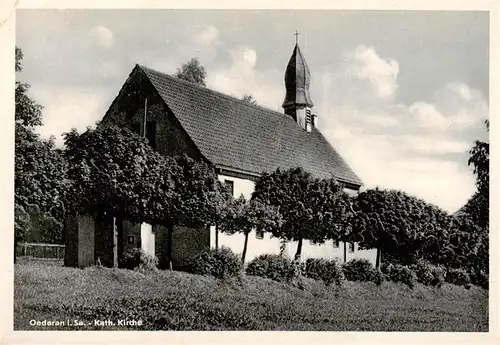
(297, 101)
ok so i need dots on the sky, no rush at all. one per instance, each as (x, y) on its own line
(401, 95)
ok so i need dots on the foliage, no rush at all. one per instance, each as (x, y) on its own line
(276, 267)
(468, 245)
(28, 112)
(477, 207)
(403, 227)
(114, 170)
(429, 274)
(245, 216)
(329, 271)
(40, 169)
(21, 222)
(136, 258)
(480, 278)
(249, 99)
(221, 263)
(199, 199)
(193, 72)
(359, 270)
(402, 274)
(457, 276)
(377, 277)
(312, 209)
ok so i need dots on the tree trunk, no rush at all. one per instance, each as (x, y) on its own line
(345, 251)
(245, 245)
(170, 233)
(379, 254)
(299, 249)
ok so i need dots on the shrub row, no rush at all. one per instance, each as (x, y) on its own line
(223, 263)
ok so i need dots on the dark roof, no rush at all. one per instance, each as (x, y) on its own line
(236, 134)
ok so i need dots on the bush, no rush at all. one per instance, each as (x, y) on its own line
(329, 271)
(377, 276)
(458, 276)
(358, 270)
(480, 278)
(136, 258)
(221, 263)
(276, 267)
(429, 274)
(402, 274)
(385, 268)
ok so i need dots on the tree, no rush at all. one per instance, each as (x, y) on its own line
(478, 205)
(249, 99)
(198, 198)
(402, 227)
(40, 170)
(243, 216)
(193, 72)
(115, 171)
(28, 112)
(312, 209)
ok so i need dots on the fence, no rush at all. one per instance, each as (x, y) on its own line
(40, 251)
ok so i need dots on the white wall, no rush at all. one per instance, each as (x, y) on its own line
(270, 245)
(255, 246)
(147, 239)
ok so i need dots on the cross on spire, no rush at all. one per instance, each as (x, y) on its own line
(296, 34)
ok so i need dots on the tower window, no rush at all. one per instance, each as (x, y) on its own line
(308, 116)
(230, 186)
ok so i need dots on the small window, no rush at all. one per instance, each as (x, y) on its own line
(131, 239)
(230, 186)
(351, 247)
(259, 234)
(336, 244)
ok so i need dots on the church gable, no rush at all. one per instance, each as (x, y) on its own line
(159, 124)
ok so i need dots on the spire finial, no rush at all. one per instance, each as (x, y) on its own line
(296, 34)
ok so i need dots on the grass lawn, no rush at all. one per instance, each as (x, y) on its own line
(181, 301)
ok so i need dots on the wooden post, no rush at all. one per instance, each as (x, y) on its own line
(345, 251)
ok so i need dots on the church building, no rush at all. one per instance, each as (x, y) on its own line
(240, 140)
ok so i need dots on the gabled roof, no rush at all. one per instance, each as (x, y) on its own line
(232, 133)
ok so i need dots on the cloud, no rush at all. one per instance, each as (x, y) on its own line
(427, 116)
(367, 65)
(66, 108)
(102, 36)
(241, 77)
(412, 147)
(207, 37)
